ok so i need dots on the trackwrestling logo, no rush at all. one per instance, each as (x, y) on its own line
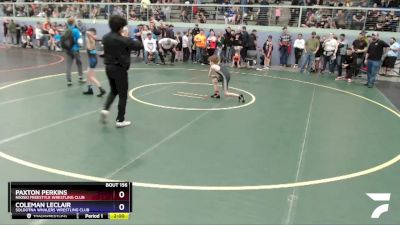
(379, 197)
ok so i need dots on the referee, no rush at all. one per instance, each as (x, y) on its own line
(117, 60)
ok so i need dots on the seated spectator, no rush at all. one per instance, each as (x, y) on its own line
(21, 13)
(184, 16)
(372, 19)
(166, 10)
(340, 20)
(358, 21)
(262, 18)
(132, 15)
(94, 13)
(393, 4)
(26, 41)
(348, 3)
(229, 15)
(349, 64)
(55, 13)
(380, 23)
(238, 17)
(310, 22)
(29, 32)
(363, 3)
(150, 49)
(201, 18)
(392, 21)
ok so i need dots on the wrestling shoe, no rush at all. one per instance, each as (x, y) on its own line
(102, 92)
(103, 116)
(88, 92)
(241, 98)
(82, 80)
(122, 124)
(215, 96)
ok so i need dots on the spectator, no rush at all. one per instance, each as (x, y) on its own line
(380, 23)
(358, 21)
(18, 33)
(220, 46)
(348, 3)
(391, 57)
(392, 21)
(144, 32)
(178, 38)
(373, 58)
(312, 46)
(341, 53)
(237, 46)
(55, 13)
(294, 13)
(185, 46)
(229, 15)
(251, 55)
(311, 21)
(150, 49)
(26, 41)
(319, 53)
(5, 29)
(244, 35)
(278, 13)
(201, 17)
(82, 28)
(144, 9)
(262, 18)
(211, 43)
(132, 15)
(340, 20)
(193, 34)
(38, 34)
(349, 63)
(299, 45)
(29, 32)
(329, 56)
(363, 3)
(360, 46)
(201, 43)
(285, 42)
(228, 45)
(12, 32)
(267, 49)
(73, 53)
(184, 16)
(47, 31)
(170, 32)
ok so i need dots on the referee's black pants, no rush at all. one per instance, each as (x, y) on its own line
(171, 50)
(118, 80)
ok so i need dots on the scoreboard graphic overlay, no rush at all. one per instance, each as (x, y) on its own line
(70, 200)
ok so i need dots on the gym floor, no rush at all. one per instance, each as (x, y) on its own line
(301, 150)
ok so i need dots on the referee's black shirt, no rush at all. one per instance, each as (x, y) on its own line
(117, 49)
(375, 50)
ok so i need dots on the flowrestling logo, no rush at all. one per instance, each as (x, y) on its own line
(379, 197)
